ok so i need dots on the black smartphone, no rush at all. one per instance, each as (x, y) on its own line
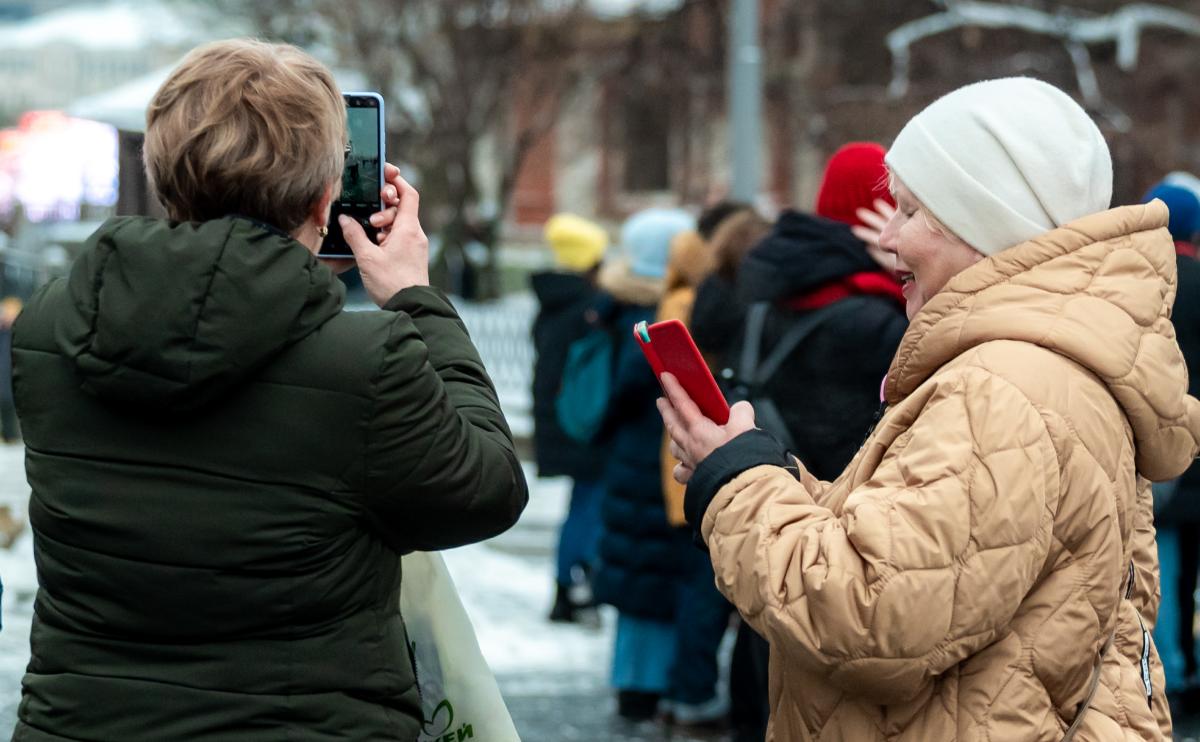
(362, 178)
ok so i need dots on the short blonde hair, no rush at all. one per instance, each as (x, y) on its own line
(248, 128)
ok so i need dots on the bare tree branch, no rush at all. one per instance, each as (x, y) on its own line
(1124, 26)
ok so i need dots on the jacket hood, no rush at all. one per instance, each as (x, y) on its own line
(800, 254)
(691, 260)
(168, 316)
(627, 287)
(556, 289)
(1098, 291)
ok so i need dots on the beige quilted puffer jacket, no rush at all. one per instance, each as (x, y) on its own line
(961, 577)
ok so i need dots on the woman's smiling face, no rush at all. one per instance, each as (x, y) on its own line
(927, 257)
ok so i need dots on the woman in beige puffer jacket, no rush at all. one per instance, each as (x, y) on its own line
(985, 567)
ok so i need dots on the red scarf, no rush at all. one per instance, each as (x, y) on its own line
(1186, 249)
(870, 283)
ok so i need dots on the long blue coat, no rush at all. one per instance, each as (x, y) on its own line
(641, 556)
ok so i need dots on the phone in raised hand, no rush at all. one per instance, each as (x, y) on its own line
(669, 348)
(362, 177)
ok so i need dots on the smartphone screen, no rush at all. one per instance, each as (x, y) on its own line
(362, 177)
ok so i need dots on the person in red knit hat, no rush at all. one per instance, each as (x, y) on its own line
(854, 190)
(854, 178)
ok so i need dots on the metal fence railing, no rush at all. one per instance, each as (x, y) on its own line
(501, 331)
(22, 271)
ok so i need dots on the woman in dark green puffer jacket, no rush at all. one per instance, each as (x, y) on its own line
(225, 466)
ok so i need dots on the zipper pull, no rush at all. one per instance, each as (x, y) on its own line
(874, 423)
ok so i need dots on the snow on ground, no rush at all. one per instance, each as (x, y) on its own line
(20, 583)
(507, 587)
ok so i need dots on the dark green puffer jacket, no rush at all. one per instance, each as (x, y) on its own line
(225, 469)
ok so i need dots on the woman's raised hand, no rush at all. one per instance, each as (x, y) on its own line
(401, 259)
(874, 220)
(693, 436)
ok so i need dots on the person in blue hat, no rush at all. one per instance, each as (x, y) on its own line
(1177, 503)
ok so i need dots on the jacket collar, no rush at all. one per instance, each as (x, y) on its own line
(1098, 291)
(625, 286)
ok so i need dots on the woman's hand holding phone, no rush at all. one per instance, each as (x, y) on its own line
(693, 436)
(401, 259)
(380, 219)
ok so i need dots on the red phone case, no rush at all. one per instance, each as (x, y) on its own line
(671, 349)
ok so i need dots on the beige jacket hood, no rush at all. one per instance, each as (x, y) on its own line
(1098, 291)
(961, 579)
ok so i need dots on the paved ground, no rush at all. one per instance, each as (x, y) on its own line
(586, 717)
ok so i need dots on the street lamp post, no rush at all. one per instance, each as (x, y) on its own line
(745, 101)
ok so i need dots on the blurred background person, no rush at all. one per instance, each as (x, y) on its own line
(564, 295)
(12, 524)
(642, 564)
(814, 270)
(10, 309)
(716, 320)
(690, 262)
(717, 313)
(1177, 503)
(712, 217)
(702, 616)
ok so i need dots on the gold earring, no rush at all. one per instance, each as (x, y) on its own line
(323, 231)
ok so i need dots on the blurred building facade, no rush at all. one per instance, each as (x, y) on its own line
(48, 59)
(647, 125)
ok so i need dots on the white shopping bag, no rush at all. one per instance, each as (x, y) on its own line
(459, 696)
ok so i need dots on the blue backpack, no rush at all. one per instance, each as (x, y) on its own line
(586, 386)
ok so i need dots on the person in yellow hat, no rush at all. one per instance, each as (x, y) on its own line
(565, 293)
(578, 244)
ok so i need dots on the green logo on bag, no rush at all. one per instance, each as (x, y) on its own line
(442, 720)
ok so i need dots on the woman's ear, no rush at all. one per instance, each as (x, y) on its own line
(310, 233)
(320, 211)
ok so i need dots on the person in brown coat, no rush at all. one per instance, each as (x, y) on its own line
(985, 567)
(693, 260)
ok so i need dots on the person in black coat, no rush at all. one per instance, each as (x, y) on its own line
(827, 390)
(1177, 503)
(565, 295)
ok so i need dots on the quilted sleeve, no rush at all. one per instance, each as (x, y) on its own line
(928, 560)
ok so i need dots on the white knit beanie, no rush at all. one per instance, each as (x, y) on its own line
(1000, 162)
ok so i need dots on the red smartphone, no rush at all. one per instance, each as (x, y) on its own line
(669, 347)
